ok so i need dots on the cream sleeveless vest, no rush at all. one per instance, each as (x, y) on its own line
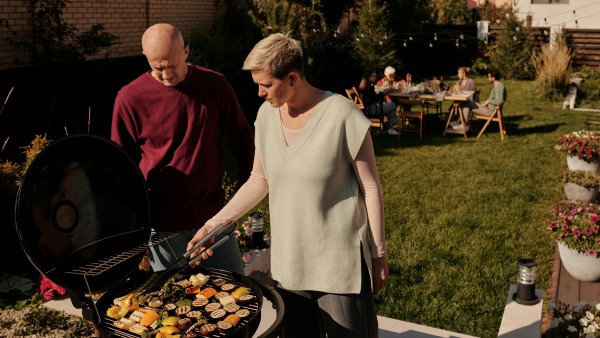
(317, 211)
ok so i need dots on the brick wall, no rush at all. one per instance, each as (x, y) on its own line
(125, 18)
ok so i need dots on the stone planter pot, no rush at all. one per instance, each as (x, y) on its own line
(575, 163)
(580, 266)
(575, 192)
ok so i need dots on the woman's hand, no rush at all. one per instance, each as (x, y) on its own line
(381, 273)
(200, 234)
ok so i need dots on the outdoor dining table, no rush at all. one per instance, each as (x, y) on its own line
(456, 109)
(458, 99)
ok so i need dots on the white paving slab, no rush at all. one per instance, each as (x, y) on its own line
(521, 321)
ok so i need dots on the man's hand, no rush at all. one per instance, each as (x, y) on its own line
(381, 273)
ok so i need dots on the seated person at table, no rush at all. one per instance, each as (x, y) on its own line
(387, 82)
(372, 97)
(465, 83)
(497, 98)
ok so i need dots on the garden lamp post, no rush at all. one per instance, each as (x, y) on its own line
(525, 294)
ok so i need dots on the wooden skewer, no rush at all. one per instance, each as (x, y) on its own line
(89, 117)
(66, 131)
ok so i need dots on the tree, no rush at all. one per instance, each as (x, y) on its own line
(446, 12)
(54, 42)
(511, 54)
(373, 43)
(305, 23)
(57, 52)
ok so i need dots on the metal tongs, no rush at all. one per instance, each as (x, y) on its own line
(220, 234)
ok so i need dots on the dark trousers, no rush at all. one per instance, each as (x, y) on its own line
(312, 314)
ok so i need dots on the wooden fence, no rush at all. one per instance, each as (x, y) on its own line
(585, 43)
(586, 46)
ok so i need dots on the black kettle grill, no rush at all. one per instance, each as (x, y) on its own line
(83, 219)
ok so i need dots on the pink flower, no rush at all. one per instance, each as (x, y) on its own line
(592, 253)
(596, 228)
(576, 233)
(48, 288)
(247, 257)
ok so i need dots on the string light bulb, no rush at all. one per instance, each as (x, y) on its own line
(410, 38)
(380, 43)
(430, 45)
(514, 37)
(404, 44)
(457, 44)
(462, 36)
(435, 36)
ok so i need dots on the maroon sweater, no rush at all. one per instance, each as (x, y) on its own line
(173, 133)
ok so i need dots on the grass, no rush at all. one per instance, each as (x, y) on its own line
(461, 213)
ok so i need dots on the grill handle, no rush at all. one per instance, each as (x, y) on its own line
(276, 329)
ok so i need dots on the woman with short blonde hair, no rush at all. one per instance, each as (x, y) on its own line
(314, 158)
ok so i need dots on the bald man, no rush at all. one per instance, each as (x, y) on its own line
(170, 120)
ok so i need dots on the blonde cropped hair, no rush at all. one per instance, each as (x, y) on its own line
(278, 53)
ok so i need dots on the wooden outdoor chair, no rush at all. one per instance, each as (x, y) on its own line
(497, 116)
(407, 112)
(355, 98)
(377, 120)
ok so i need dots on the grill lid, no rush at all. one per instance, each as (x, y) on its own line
(83, 202)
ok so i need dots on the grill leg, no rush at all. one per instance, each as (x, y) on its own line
(80, 301)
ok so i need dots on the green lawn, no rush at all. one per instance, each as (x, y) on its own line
(461, 213)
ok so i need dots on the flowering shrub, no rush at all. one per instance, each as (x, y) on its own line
(585, 178)
(579, 320)
(577, 225)
(583, 144)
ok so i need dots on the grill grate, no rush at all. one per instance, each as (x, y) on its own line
(106, 323)
(97, 268)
